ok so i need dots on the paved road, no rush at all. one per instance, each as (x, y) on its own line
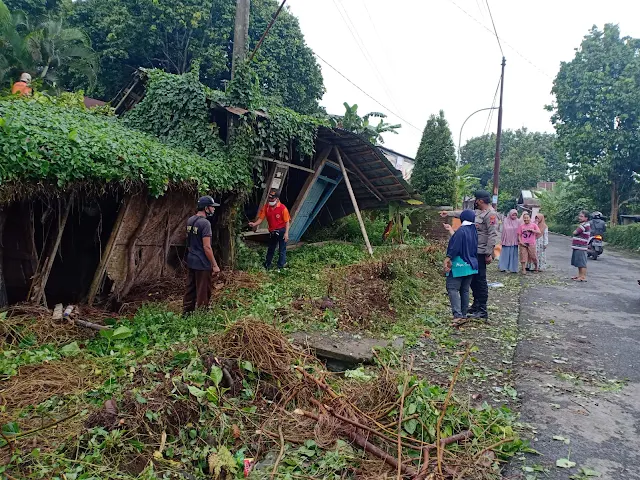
(578, 366)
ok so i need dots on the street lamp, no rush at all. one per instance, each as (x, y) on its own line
(460, 137)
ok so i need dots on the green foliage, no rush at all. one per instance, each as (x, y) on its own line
(562, 205)
(171, 35)
(539, 152)
(44, 48)
(625, 236)
(597, 113)
(347, 229)
(434, 174)
(353, 122)
(466, 184)
(67, 147)
(176, 108)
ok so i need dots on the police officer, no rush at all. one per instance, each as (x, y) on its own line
(487, 225)
(201, 264)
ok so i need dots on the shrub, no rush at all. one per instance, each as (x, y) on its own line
(625, 236)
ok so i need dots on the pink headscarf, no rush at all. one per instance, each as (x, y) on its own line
(510, 230)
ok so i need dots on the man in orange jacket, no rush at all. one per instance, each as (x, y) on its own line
(279, 221)
(22, 87)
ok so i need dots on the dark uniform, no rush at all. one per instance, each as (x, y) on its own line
(198, 293)
(487, 226)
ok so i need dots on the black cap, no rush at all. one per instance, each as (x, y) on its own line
(273, 193)
(482, 195)
(207, 201)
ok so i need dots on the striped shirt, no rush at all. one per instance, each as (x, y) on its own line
(581, 236)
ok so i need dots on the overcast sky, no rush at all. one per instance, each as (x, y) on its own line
(419, 56)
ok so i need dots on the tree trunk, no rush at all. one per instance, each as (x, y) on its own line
(615, 203)
(227, 232)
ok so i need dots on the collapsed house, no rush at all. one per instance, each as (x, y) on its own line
(93, 240)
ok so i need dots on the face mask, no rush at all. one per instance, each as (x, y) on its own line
(273, 204)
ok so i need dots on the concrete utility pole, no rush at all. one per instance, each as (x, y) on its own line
(240, 34)
(496, 164)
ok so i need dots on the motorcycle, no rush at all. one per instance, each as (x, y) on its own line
(595, 247)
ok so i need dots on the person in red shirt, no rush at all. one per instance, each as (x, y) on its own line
(279, 221)
(22, 87)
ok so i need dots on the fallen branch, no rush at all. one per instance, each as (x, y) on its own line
(323, 386)
(94, 326)
(13, 438)
(465, 435)
(439, 447)
(364, 444)
(280, 455)
(404, 391)
(368, 429)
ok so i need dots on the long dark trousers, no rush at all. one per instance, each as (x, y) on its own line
(480, 288)
(276, 239)
(198, 292)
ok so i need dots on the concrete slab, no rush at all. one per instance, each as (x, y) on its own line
(342, 346)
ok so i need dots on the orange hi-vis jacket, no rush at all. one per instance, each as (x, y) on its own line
(277, 217)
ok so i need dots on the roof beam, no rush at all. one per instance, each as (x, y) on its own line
(363, 177)
(280, 162)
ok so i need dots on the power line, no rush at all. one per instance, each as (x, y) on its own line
(505, 42)
(493, 104)
(494, 27)
(363, 49)
(378, 102)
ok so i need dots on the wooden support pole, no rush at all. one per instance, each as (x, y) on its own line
(41, 278)
(371, 187)
(106, 255)
(354, 201)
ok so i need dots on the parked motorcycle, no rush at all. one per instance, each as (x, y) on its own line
(596, 247)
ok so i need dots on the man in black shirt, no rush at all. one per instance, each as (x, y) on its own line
(201, 263)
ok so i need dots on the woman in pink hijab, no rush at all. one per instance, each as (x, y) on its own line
(509, 254)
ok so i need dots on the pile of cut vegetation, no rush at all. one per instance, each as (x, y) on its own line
(138, 403)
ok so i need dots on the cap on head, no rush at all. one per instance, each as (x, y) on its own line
(596, 214)
(483, 195)
(274, 194)
(25, 77)
(207, 201)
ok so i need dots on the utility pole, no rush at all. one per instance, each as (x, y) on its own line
(240, 34)
(496, 164)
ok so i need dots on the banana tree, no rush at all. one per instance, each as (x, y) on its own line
(465, 184)
(353, 122)
(399, 220)
(43, 49)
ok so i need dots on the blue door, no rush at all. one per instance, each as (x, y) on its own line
(318, 195)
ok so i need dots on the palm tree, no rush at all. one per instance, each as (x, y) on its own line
(44, 49)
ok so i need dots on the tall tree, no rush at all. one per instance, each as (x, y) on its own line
(538, 150)
(434, 173)
(597, 113)
(172, 34)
